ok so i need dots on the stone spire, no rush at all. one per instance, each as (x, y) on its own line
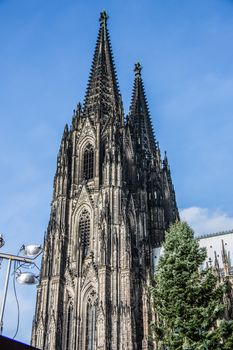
(60, 178)
(167, 171)
(139, 115)
(171, 212)
(102, 93)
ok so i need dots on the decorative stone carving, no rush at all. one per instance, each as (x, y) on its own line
(89, 272)
(69, 277)
(87, 130)
(83, 196)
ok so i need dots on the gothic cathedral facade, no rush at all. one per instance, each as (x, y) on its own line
(113, 200)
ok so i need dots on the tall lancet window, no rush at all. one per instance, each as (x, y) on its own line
(90, 325)
(40, 336)
(88, 162)
(84, 232)
(69, 326)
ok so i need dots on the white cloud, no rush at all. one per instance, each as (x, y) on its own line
(204, 221)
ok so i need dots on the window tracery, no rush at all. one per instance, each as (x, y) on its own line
(88, 162)
(90, 322)
(69, 326)
(84, 231)
(40, 334)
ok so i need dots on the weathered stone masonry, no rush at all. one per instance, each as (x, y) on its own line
(113, 199)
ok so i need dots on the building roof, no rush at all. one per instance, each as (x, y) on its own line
(11, 344)
(221, 233)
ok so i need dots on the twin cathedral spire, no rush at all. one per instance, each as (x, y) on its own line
(113, 200)
(103, 97)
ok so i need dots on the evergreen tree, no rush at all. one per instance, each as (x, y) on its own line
(188, 302)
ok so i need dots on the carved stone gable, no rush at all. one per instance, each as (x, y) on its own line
(82, 195)
(87, 130)
(89, 273)
(69, 277)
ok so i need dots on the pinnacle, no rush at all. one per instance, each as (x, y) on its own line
(165, 161)
(66, 129)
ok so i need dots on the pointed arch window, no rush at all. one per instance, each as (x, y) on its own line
(51, 336)
(39, 338)
(69, 326)
(88, 162)
(102, 160)
(84, 232)
(90, 326)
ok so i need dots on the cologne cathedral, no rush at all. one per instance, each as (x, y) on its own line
(113, 200)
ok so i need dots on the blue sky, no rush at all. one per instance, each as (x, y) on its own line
(185, 48)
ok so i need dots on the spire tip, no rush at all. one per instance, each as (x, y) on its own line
(103, 17)
(137, 69)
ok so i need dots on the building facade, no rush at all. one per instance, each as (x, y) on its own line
(219, 252)
(220, 258)
(113, 199)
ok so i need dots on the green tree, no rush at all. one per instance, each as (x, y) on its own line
(188, 303)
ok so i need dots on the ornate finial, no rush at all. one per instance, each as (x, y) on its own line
(66, 130)
(138, 69)
(165, 161)
(79, 107)
(103, 17)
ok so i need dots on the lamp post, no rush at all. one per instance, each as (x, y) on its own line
(23, 277)
(2, 242)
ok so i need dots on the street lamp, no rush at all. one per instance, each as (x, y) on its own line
(27, 278)
(22, 277)
(31, 250)
(2, 242)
